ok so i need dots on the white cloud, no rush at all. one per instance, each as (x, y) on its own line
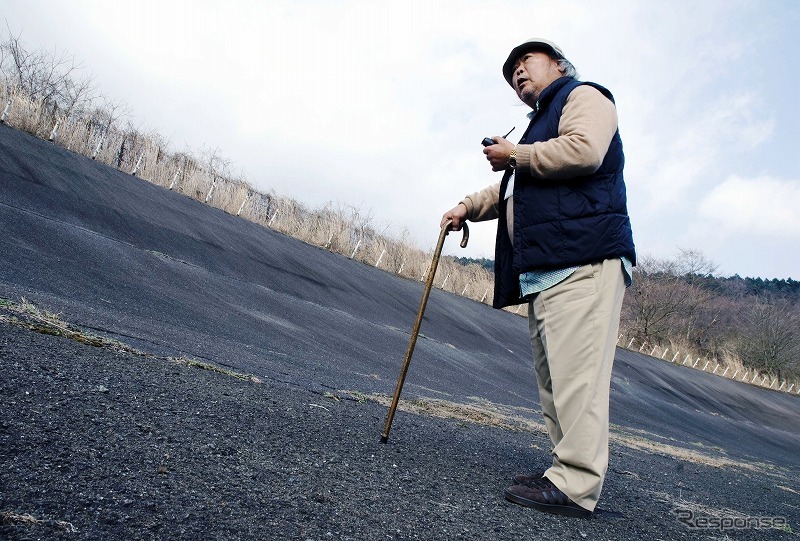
(764, 205)
(696, 147)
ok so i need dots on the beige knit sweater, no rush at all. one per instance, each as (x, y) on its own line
(587, 125)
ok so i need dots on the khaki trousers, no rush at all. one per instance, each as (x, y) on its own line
(574, 329)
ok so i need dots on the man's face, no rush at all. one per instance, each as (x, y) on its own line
(533, 72)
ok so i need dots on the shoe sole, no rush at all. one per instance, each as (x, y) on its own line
(563, 510)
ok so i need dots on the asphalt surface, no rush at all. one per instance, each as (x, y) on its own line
(172, 277)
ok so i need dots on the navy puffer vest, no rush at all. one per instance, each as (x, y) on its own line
(559, 224)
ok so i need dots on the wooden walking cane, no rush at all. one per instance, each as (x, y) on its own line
(415, 331)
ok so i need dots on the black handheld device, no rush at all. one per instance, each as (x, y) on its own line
(488, 141)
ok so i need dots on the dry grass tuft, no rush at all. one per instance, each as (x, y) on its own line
(12, 518)
(194, 363)
(27, 315)
(480, 412)
(485, 413)
(652, 443)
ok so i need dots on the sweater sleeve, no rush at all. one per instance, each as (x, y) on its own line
(483, 205)
(588, 123)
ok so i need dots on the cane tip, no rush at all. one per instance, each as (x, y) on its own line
(384, 439)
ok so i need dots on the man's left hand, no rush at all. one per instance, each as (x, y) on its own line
(499, 153)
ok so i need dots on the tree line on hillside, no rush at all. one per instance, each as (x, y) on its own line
(679, 301)
(487, 264)
(674, 302)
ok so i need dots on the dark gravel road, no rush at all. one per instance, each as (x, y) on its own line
(98, 443)
(105, 442)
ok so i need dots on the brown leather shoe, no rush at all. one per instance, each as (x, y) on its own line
(546, 497)
(528, 480)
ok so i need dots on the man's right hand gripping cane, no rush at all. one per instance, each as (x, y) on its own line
(458, 214)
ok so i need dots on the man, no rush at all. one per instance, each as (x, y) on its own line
(564, 245)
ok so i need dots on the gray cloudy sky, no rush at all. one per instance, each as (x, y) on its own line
(383, 105)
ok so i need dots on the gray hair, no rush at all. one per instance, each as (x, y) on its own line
(566, 68)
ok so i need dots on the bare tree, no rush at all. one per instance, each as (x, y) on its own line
(769, 336)
(701, 311)
(652, 302)
(668, 300)
(694, 263)
(51, 78)
(108, 113)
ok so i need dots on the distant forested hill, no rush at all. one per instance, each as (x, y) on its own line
(487, 264)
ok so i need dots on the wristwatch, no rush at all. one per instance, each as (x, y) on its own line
(512, 159)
